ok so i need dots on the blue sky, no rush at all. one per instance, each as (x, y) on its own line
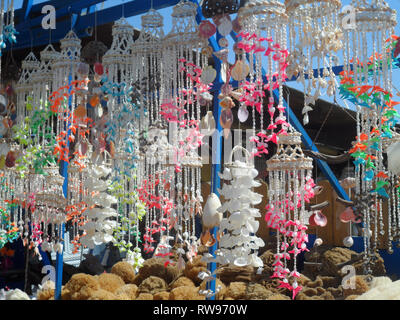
(166, 13)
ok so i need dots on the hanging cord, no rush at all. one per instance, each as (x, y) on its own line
(323, 124)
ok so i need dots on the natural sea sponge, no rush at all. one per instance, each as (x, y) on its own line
(186, 293)
(65, 294)
(84, 294)
(145, 296)
(268, 258)
(123, 296)
(328, 281)
(334, 259)
(102, 294)
(129, 290)
(316, 283)
(152, 285)
(124, 270)
(110, 282)
(163, 295)
(221, 293)
(336, 292)
(46, 294)
(81, 280)
(277, 296)
(231, 274)
(156, 267)
(378, 268)
(236, 290)
(353, 297)
(192, 269)
(182, 281)
(325, 296)
(255, 291)
(273, 287)
(303, 280)
(360, 287)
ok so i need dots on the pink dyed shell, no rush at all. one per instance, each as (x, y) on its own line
(347, 215)
(318, 219)
(207, 29)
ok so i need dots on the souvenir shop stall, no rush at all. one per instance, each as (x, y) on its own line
(190, 156)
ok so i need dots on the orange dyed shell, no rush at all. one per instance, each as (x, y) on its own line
(80, 111)
(94, 101)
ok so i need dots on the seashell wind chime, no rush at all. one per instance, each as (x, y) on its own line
(264, 38)
(315, 37)
(290, 188)
(367, 80)
(181, 87)
(154, 151)
(124, 130)
(239, 244)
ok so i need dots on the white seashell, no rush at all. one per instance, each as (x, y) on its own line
(58, 247)
(208, 124)
(256, 262)
(234, 205)
(348, 242)
(240, 70)
(245, 232)
(211, 216)
(306, 119)
(225, 26)
(318, 242)
(259, 242)
(252, 225)
(253, 173)
(208, 75)
(241, 262)
(4, 149)
(307, 109)
(393, 153)
(226, 175)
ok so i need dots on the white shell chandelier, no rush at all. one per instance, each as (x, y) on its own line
(315, 37)
(239, 244)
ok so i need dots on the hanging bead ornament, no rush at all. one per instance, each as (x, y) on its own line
(315, 37)
(239, 245)
(290, 188)
(367, 73)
